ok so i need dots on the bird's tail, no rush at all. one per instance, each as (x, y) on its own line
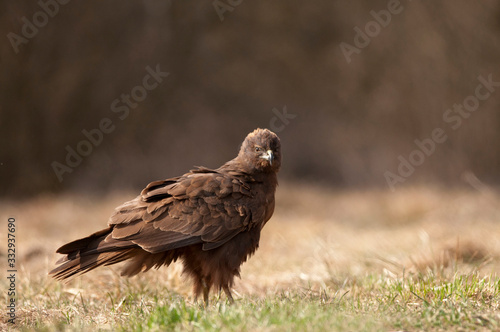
(86, 254)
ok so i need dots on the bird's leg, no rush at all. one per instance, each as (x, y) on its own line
(228, 293)
(206, 290)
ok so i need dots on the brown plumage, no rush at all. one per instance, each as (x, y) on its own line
(209, 219)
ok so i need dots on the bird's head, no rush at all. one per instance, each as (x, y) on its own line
(261, 151)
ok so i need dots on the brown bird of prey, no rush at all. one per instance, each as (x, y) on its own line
(210, 219)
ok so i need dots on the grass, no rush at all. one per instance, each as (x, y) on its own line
(420, 259)
(374, 302)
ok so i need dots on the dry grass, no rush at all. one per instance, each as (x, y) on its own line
(332, 246)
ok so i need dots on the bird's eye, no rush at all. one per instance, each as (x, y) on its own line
(258, 149)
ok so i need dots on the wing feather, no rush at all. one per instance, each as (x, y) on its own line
(203, 206)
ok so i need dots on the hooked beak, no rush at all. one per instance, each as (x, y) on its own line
(269, 156)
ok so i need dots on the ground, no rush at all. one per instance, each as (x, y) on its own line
(414, 259)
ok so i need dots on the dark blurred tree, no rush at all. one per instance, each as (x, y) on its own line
(225, 78)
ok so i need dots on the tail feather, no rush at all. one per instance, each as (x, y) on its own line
(86, 254)
(75, 267)
(101, 249)
(84, 243)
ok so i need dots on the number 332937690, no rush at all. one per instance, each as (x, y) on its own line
(11, 243)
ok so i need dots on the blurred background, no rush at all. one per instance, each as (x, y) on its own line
(388, 113)
(86, 103)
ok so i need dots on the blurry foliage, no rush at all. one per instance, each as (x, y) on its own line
(353, 120)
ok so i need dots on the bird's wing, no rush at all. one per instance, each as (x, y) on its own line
(202, 206)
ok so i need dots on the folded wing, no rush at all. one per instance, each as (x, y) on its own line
(202, 206)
